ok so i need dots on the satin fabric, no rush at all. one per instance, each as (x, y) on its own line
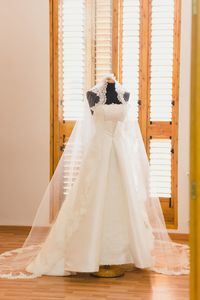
(104, 220)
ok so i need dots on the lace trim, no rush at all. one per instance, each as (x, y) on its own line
(74, 217)
(100, 91)
(179, 269)
(21, 275)
(17, 274)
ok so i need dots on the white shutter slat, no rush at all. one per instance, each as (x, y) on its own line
(161, 63)
(73, 57)
(131, 48)
(103, 38)
(160, 168)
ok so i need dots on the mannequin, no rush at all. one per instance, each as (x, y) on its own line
(111, 95)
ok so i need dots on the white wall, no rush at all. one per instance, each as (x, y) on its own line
(24, 111)
(184, 120)
(24, 114)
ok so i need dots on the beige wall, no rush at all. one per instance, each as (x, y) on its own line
(24, 112)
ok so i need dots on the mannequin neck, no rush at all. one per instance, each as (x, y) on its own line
(111, 94)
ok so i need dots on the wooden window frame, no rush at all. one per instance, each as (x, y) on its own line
(148, 129)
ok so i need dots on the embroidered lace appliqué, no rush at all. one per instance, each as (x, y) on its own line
(100, 91)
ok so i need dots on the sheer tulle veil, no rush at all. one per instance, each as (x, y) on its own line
(169, 257)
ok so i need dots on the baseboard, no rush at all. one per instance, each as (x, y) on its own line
(179, 236)
(10, 228)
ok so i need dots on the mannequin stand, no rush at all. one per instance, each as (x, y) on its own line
(109, 271)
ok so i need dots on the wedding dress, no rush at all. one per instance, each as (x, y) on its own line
(107, 215)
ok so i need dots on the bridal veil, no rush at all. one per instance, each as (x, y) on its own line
(169, 257)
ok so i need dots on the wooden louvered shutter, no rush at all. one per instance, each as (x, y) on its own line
(70, 63)
(69, 69)
(149, 62)
(162, 129)
(84, 33)
(84, 36)
(79, 19)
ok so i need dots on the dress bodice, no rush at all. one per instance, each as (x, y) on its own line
(107, 116)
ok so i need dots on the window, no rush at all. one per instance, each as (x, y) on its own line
(138, 40)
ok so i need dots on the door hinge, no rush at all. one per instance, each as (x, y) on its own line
(193, 190)
(62, 148)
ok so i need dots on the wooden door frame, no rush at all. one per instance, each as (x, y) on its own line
(54, 109)
(195, 156)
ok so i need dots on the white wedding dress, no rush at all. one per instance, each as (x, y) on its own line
(115, 228)
(108, 216)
